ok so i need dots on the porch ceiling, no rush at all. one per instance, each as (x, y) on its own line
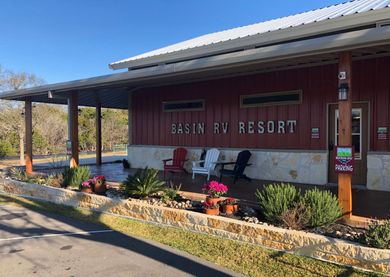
(112, 91)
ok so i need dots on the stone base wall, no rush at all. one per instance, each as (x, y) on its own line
(298, 242)
(378, 171)
(279, 165)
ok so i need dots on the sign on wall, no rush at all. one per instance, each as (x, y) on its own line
(344, 160)
(382, 133)
(249, 127)
(315, 133)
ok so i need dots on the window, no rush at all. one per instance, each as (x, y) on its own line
(272, 98)
(189, 105)
(356, 131)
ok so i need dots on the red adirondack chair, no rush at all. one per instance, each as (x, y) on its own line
(177, 164)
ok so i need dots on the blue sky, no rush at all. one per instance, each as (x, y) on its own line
(62, 40)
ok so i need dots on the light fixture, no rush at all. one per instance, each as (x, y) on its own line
(343, 92)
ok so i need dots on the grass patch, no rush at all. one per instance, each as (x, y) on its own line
(240, 257)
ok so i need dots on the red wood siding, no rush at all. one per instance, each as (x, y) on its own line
(152, 126)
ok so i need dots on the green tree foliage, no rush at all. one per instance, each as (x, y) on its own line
(115, 128)
(6, 149)
(87, 129)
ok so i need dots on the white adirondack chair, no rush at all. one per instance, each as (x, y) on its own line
(210, 162)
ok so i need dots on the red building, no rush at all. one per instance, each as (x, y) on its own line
(276, 88)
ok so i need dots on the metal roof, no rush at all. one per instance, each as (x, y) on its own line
(293, 22)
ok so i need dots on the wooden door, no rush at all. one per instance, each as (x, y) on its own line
(359, 141)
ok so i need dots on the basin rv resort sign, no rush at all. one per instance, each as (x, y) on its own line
(249, 127)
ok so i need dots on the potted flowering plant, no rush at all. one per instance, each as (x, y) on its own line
(214, 191)
(99, 184)
(230, 206)
(211, 208)
(86, 186)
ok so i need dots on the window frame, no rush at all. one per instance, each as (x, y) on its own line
(276, 103)
(184, 109)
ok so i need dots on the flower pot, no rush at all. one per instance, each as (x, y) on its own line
(100, 188)
(228, 209)
(214, 211)
(235, 208)
(86, 190)
(212, 201)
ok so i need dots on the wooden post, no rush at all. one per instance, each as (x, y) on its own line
(98, 134)
(74, 130)
(28, 125)
(345, 133)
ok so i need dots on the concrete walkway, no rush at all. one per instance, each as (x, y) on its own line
(40, 244)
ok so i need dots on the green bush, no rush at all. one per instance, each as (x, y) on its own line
(378, 235)
(171, 192)
(6, 149)
(144, 183)
(18, 174)
(75, 176)
(276, 199)
(323, 205)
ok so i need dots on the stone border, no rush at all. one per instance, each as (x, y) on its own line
(296, 242)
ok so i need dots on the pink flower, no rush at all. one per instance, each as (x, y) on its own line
(214, 189)
(99, 179)
(87, 184)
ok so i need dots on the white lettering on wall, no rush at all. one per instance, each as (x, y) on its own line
(225, 126)
(292, 124)
(251, 124)
(216, 128)
(270, 127)
(249, 127)
(260, 127)
(281, 129)
(241, 127)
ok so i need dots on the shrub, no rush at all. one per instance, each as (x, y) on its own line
(297, 217)
(55, 180)
(18, 174)
(6, 149)
(275, 199)
(144, 183)
(75, 176)
(171, 193)
(378, 235)
(323, 205)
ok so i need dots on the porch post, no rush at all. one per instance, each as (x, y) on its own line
(74, 129)
(28, 126)
(345, 133)
(98, 134)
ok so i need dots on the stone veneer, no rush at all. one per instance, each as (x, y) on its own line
(298, 242)
(277, 165)
(378, 171)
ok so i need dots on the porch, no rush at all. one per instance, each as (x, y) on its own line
(366, 203)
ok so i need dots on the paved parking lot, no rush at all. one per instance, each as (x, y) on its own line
(36, 244)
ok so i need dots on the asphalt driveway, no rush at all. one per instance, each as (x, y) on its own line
(37, 244)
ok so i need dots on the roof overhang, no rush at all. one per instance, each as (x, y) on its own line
(112, 91)
(320, 28)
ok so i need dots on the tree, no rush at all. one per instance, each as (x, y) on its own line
(10, 80)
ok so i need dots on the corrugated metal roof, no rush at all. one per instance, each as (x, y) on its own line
(327, 13)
